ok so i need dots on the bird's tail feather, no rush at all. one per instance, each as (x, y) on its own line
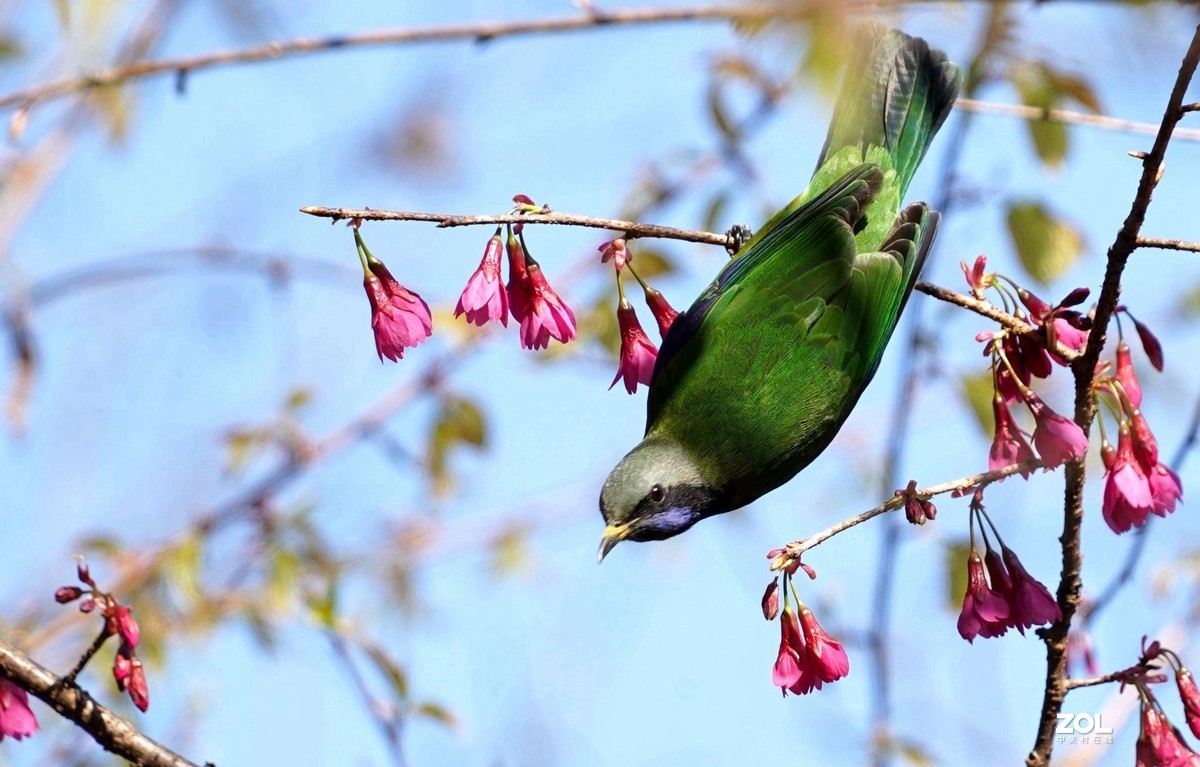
(896, 95)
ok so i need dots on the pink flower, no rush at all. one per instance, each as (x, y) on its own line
(534, 304)
(787, 671)
(484, 298)
(616, 252)
(16, 717)
(637, 351)
(770, 600)
(1162, 745)
(1191, 699)
(984, 612)
(975, 276)
(1127, 377)
(1056, 438)
(662, 311)
(130, 677)
(1008, 444)
(122, 622)
(1128, 498)
(1060, 331)
(1166, 490)
(827, 660)
(1029, 601)
(399, 317)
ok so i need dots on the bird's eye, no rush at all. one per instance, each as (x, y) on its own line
(657, 494)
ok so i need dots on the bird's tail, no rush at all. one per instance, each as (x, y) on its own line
(896, 95)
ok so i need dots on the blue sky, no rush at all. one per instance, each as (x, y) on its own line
(660, 656)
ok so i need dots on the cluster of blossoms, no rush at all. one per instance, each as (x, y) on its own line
(1137, 483)
(638, 352)
(1018, 359)
(400, 318)
(1001, 594)
(1160, 743)
(118, 621)
(808, 657)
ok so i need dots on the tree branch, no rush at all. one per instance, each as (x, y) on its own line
(113, 733)
(1072, 118)
(1070, 585)
(793, 551)
(1155, 242)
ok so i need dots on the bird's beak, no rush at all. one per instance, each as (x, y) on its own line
(613, 534)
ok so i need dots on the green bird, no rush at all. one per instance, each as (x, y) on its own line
(755, 379)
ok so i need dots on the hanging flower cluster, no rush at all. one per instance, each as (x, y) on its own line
(118, 621)
(638, 352)
(1137, 483)
(399, 317)
(1001, 594)
(1160, 743)
(1018, 359)
(808, 657)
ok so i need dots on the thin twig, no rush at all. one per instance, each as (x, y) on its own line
(92, 649)
(629, 229)
(1074, 684)
(112, 732)
(1073, 118)
(793, 551)
(1156, 242)
(478, 31)
(1070, 586)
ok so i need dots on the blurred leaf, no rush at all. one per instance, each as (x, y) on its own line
(458, 422)
(260, 627)
(715, 211)
(1046, 245)
(116, 108)
(391, 670)
(283, 570)
(831, 35)
(437, 713)
(182, 566)
(10, 48)
(63, 9)
(956, 573)
(719, 113)
(297, 398)
(977, 390)
(323, 607)
(599, 324)
(1044, 87)
(1189, 303)
(651, 262)
(993, 44)
(100, 544)
(243, 445)
(509, 550)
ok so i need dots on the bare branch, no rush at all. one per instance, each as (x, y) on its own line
(629, 229)
(1070, 586)
(1155, 242)
(792, 551)
(113, 733)
(1075, 684)
(1072, 118)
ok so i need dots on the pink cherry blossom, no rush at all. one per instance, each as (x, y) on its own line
(1029, 601)
(1056, 438)
(984, 612)
(827, 660)
(637, 351)
(400, 318)
(1126, 375)
(1191, 699)
(1128, 498)
(975, 275)
(787, 670)
(1008, 444)
(664, 315)
(484, 298)
(16, 717)
(534, 304)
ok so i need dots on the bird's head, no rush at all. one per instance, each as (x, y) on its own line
(655, 492)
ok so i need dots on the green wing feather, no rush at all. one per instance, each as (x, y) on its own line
(774, 354)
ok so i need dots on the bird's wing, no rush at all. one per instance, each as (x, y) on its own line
(759, 375)
(785, 276)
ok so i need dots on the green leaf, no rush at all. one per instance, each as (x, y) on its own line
(391, 670)
(1046, 244)
(459, 422)
(437, 713)
(182, 566)
(977, 389)
(283, 570)
(1044, 87)
(956, 573)
(714, 212)
(10, 48)
(297, 398)
(509, 550)
(323, 607)
(651, 262)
